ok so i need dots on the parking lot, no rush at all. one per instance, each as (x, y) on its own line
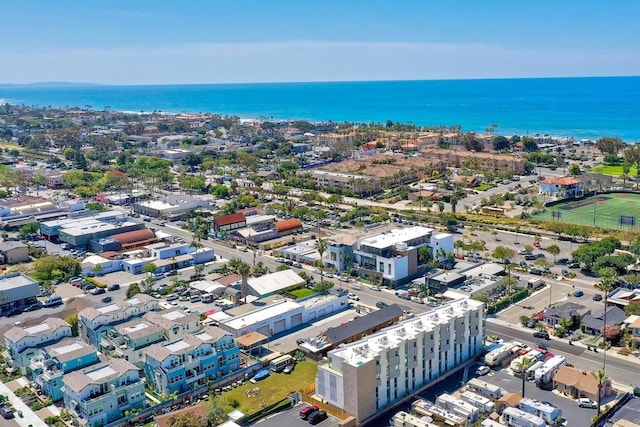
(291, 417)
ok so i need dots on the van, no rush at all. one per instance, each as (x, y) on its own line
(195, 298)
(53, 301)
(207, 298)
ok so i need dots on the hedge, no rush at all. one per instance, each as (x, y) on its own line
(506, 302)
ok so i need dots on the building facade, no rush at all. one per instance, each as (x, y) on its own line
(179, 365)
(102, 393)
(366, 376)
(18, 290)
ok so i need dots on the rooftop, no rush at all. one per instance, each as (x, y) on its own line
(15, 334)
(395, 236)
(274, 282)
(98, 374)
(15, 280)
(256, 316)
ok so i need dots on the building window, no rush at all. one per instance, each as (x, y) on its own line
(381, 267)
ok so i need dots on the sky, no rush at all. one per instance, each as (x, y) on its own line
(238, 41)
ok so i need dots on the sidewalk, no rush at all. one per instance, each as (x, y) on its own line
(29, 417)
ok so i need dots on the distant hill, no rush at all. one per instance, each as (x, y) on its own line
(48, 85)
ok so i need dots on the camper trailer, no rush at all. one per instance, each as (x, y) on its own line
(484, 404)
(545, 374)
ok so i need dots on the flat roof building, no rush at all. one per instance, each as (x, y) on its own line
(383, 367)
(18, 290)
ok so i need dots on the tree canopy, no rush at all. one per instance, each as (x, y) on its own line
(610, 145)
(588, 254)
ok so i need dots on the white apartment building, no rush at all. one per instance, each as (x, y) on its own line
(394, 255)
(368, 375)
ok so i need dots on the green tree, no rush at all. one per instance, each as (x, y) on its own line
(500, 143)
(554, 250)
(29, 229)
(574, 169)
(505, 255)
(522, 366)
(133, 290)
(601, 377)
(240, 267)
(609, 145)
(323, 286)
(72, 320)
(321, 246)
(150, 268)
(524, 319)
(187, 419)
(607, 284)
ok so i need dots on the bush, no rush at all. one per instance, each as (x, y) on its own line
(624, 351)
(95, 282)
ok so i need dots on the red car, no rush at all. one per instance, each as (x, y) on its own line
(308, 410)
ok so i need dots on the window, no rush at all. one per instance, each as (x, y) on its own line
(381, 267)
(389, 269)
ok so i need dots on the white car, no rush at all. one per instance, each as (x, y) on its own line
(353, 297)
(583, 402)
(482, 370)
(521, 345)
(375, 288)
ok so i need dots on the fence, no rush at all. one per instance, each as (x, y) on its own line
(308, 396)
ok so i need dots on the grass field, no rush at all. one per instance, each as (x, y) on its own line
(272, 389)
(603, 210)
(613, 170)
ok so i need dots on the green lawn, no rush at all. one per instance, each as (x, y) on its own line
(302, 293)
(606, 210)
(613, 170)
(483, 187)
(272, 389)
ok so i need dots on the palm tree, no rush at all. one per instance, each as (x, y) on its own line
(601, 376)
(524, 364)
(321, 245)
(606, 285)
(243, 269)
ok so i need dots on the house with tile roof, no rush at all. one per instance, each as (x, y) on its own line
(565, 187)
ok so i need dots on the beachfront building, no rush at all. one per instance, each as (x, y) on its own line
(25, 343)
(366, 376)
(103, 393)
(93, 322)
(181, 364)
(396, 256)
(57, 360)
(561, 188)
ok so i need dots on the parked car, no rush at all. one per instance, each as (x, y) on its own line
(353, 296)
(106, 299)
(536, 271)
(578, 293)
(6, 412)
(297, 265)
(541, 334)
(98, 291)
(530, 257)
(308, 410)
(523, 252)
(14, 312)
(574, 265)
(381, 304)
(196, 276)
(289, 368)
(375, 288)
(171, 273)
(482, 370)
(316, 417)
(33, 307)
(531, 323)
(113, 287)
(583, 402)
(597, 297)
(562, 261)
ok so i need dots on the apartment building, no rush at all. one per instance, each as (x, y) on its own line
(93, 322)
(358, 184)
(129, 340)
(384, 367)
(174, 322)
(57, 360)
(25, 343)
(102, 393)
(179, 365)
(396, 256)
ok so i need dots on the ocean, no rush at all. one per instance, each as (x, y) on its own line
(588, 107)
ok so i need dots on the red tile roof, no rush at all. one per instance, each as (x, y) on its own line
(230, 219)
(134, 236)
(288, 224)
(561, 181)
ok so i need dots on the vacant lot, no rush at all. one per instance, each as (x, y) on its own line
(270, 390)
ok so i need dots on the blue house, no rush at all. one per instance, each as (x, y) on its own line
(59, 359)
(185, 363)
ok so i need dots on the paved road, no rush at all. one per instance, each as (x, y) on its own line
(291, 418)
(625, 372)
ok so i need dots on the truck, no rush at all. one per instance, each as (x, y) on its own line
(535, 283)
(403, 294)
(544, 374)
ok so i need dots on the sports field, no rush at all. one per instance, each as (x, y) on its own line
(603, 210)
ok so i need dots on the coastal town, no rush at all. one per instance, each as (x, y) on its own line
(162, 268)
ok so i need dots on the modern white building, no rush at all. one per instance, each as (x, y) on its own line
(396, 256)
(272, 283)
(382, 368)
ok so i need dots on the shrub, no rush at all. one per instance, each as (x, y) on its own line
(95, 282)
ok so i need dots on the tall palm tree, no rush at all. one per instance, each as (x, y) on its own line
(522, 366)
(321, 245)
(243, 269)
(601, 376)
(606, 285)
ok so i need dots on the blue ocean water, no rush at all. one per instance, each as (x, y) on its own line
(578, 107)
